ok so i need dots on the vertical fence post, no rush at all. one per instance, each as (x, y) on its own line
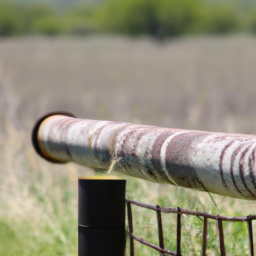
(160, 229)
(130, 223)
(204, 246)
(101, 217)
(178, 246)
(221, 237)
(250, 234)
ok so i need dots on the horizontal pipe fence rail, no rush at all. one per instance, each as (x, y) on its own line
(179, 211)
(221, 163)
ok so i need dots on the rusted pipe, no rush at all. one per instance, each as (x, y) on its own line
(221, 163)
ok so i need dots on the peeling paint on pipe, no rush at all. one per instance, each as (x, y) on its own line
(220, 163)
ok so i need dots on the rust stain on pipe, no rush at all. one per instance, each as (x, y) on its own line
(220, 163)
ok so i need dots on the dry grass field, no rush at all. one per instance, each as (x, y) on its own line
(192, 83)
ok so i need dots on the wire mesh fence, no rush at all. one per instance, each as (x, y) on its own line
(179, 212)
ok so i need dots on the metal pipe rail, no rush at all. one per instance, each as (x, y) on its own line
(220, 163)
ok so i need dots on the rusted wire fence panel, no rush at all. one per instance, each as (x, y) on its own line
(163, 251)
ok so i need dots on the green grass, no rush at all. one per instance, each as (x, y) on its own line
(21, 238)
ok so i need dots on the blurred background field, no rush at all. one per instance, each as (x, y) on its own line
(191, 78)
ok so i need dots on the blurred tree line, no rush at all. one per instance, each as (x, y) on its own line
(161, 18)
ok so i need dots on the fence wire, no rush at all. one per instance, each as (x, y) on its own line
(179, 211)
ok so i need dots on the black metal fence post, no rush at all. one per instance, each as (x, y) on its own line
(101, 217)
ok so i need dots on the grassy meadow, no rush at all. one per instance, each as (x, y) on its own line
(204, 83)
